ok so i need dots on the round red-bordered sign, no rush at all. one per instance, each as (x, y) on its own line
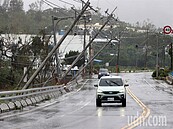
(167, 30)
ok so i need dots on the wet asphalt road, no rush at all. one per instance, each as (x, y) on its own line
(77, 110)
(157, 95)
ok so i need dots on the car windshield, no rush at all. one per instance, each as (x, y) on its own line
(103, 70)
(111, 82)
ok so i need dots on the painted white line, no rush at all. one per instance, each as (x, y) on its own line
(149, 84)
(72, 93)
(164, 85)
(83, 85)
(76, 109)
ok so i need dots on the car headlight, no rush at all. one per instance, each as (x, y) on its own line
(99, 91)
(122, 91)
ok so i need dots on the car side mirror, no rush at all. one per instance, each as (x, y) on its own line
(95, 85)
(125, 85)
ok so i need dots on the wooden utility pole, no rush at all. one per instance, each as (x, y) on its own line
(84, 45)
(92, 58)
(171, 57)
(82, 53)
(56, 47)
(146, 51)
(91, 53)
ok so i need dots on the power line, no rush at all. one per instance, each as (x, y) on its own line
(68, 44)
(55, 48)
(48, 4)
(53, 6)
(67, 3)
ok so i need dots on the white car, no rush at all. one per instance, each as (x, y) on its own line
(111, 89)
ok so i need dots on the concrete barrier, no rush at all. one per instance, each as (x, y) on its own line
(23, 102)
(33, 100)
(4, 107)
(28, 101)
(11, 105)
(40, 98)
(18, 105)
(169, 79)
(18, 99)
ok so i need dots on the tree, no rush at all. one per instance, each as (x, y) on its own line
(36, 6)
(16, 5)
(71, 56)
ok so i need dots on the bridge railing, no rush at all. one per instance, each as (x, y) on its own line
(18, 94)
(17, 99)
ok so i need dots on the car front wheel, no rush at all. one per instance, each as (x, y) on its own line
(98, 103)
(124, 102)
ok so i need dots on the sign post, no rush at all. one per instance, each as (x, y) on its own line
(168, 30)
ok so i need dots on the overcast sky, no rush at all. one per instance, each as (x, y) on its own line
(160, 12)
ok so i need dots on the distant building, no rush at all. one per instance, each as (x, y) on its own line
(71, 43)
(93, 26)
(141, 31)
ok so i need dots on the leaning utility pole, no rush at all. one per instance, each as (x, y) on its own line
(82, 53)
(56, 47)
(146, 50)
(171, 56)
(84, 70)
(118, 52)
(91, 53)
(92, 59)
(56, 52)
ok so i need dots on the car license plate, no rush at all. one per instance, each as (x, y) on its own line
(110, 99)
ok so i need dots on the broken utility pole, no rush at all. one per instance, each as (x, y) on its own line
(56, 47)
(92, 59)
(82, 53)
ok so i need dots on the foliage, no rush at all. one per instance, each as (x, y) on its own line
(71, 56)
(23, 54)
(4, 77)
(16, 20)
(16, 5)
(161, 73)
(133, 44)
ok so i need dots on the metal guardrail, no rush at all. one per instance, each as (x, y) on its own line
(19, 94)
(18, 99)
(135, 71)
(11, 100)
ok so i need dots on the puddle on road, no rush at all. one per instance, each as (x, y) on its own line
(108, 107)
(169, 90)
(159, 88)
(19, 119)
(159, 102)
(47, 111)
(87, 88)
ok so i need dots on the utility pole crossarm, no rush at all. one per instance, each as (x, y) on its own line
(56, 47)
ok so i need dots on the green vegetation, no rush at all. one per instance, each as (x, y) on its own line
(162, 73)
(71, 56)
(136, 48)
